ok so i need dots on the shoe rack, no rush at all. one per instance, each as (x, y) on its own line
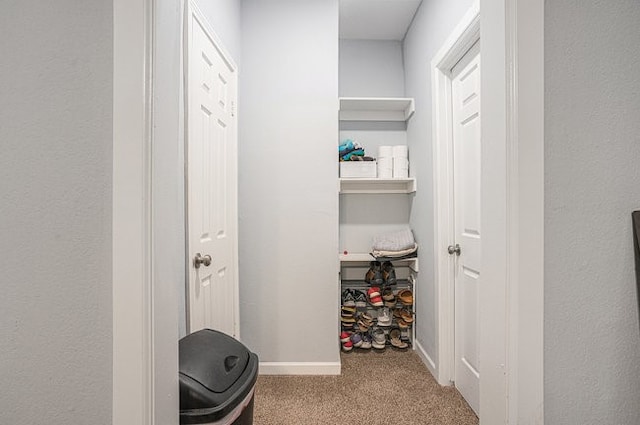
(407, 331)
(370, 206)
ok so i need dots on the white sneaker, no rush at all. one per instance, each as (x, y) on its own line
(385, 318)
(379, 339)
(366, 342)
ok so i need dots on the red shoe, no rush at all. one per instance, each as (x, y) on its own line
(347, 346)
(345, 337)
(374, 296)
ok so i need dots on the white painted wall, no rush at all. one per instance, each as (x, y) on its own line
(371, 68)
(592, 183)
(55, 230)
(433, 23)
(224, 17)
(288, 199)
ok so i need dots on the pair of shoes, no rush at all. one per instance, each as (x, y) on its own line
(394, 338)
(364, 322)
(384, 319)
(406, 297)
(379, 339)
(345, 339)
(348, 298)
(381, 273)
(404, 314)
(347, 318)
(374, 274)
(389, 297)
(374, 296)
(354, 298)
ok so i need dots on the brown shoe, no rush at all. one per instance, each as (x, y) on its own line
(374, 274)
(402, 324)
(394, 338)
(406, 297)
(388, 297)
(406, 315)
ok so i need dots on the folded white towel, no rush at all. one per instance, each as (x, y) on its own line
(395, 254)
(396, 241)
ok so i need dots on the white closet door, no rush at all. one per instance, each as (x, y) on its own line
(212, 184)
(467, 145)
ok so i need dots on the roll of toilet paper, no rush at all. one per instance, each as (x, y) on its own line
(401, 151)
(400, 168)
(385, 168)
(385, 151)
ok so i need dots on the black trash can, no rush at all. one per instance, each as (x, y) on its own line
(217, 379)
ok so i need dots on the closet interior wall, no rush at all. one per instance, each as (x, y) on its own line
(371, 68)
(431, 26)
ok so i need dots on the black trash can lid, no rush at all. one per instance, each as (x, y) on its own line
(213, 359)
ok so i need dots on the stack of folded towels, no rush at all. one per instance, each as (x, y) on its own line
(399, 244)
(352, 151)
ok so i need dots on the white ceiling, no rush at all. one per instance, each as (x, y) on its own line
(376, 19)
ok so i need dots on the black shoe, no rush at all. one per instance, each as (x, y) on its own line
(389, 273)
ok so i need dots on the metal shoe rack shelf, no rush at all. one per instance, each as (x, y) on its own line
(367, 206)
(406, 335)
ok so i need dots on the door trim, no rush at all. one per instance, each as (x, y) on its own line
(525, 211)
(464, 36)
(512, 370)
(192, 10)
(133, 342)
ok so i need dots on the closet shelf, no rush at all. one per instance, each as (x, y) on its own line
(349, 185)
(376, 108)
(361, 284)
(365, 258)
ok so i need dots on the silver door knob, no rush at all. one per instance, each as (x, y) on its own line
(199, 260)
(454, 249)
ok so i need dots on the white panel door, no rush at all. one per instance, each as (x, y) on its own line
(212, 184)
(466, 152)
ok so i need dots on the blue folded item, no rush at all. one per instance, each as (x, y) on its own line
(346, 147)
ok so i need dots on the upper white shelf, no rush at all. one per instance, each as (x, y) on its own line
(376, 108)
(372, 185)
(364, 258)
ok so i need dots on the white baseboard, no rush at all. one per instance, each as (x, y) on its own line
(299, 368)
(426, 359)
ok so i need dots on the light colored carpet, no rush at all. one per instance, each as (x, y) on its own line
(391, 387)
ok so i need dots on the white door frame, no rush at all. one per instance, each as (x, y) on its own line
(192, 9)
(465, 35)
(513, 128)
(145, 140)
(511, 312)
(132, 243)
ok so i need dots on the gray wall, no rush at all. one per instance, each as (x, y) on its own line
(433, 23)
(371, 68)
(288, 199)
(592, 183)
(55, 209)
